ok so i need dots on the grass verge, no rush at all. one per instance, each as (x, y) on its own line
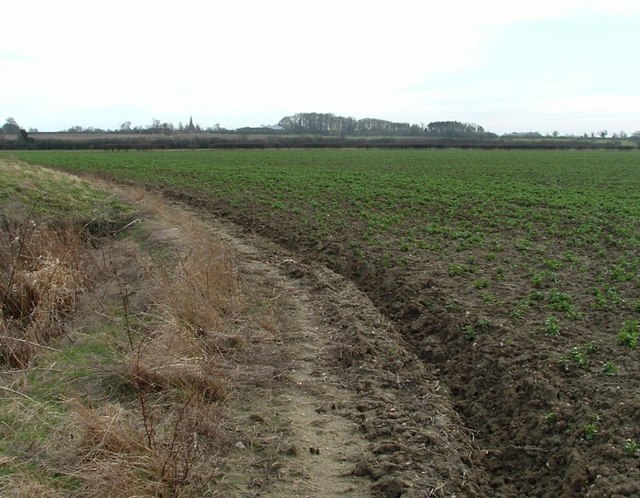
(119, 342)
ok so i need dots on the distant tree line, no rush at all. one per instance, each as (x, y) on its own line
(314, 123)
(304, 130)
(156, 127)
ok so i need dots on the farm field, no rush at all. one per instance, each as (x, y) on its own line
(514, 275)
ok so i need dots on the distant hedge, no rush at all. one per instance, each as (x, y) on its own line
(220, 141)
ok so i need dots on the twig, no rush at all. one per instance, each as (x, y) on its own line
(17, 392)
(137, 350)
(131, 223)
(24, 370)
(30, 343)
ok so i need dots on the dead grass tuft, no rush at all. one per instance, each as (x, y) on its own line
(104, 431)
(41, 276)
(191, 378)
(202, 291)
(22, 485)
(105, 449)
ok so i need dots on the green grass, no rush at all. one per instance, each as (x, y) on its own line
(47, 195)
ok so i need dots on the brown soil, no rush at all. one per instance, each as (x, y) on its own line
(493, 416)
(352, 411)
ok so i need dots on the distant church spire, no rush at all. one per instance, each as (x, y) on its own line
(190, 126)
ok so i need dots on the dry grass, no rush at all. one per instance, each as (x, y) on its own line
(24, 486)
(145, 418)
(41, 275)
(170, 442)
(110, 456)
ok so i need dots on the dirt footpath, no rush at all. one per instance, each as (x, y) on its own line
(347, 410)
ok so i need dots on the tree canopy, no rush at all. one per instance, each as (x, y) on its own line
(330, 124)
(10, 126)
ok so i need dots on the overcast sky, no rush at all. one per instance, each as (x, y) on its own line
(544, 65)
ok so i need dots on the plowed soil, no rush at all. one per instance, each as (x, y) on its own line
(493, 414)
(354, 411)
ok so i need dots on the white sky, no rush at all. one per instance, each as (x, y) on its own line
(566, 65)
